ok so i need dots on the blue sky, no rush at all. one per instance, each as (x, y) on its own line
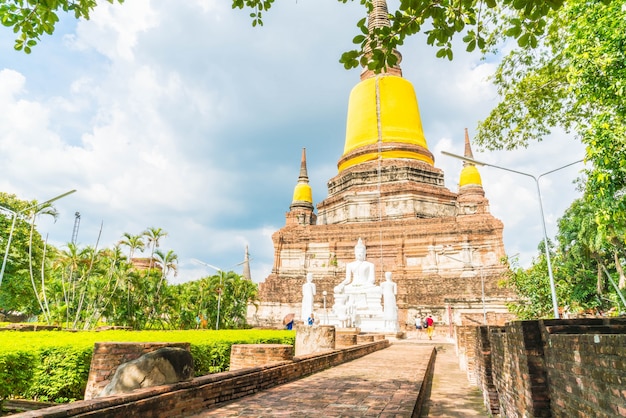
(180, 115)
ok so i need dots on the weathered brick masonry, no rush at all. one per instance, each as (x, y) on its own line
(187, 398)
(250, 355)
(551, 368)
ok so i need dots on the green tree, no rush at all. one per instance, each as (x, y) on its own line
(574, 80)
(26, 250)
(581, 260)
(532, 287)
(30, 19)
(199, 299)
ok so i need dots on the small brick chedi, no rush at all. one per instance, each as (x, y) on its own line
(442, 248)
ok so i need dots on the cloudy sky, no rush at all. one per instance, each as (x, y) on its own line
(180, 115)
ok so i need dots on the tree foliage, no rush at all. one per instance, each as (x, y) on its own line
(574, 79)
(481, 23)
(30, 19)
(81, 287)
(24, 257)
(581, 259)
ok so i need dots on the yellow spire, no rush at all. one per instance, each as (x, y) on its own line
(469, 175)
(383, 113)
(302, 194)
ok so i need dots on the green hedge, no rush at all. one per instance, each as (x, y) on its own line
(53, 366)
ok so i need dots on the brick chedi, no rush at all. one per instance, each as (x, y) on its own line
(443, 248)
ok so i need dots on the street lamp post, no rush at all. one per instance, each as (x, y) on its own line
(482, 282)
(555, 305)
(219, 291)
(15, 214)
(324, 293)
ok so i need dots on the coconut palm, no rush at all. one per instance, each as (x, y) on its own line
(167, 262)
(133, 242)
(153, 236)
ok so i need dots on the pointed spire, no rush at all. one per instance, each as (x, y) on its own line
(468, 148)
(302, 194)
(469, 174)
(246, 266)
(304, 177)
(379, 18)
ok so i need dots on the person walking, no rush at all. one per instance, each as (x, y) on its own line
(430, 326)
(418, 326)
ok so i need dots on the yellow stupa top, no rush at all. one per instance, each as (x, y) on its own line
(302, 193)
(383, 113)
(469, 174)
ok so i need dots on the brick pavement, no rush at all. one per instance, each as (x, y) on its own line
(450, 393)
(382, 384)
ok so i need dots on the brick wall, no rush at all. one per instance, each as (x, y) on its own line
(553, 368)
(187, 398)
(484, 370)
(107, 357)
(465, 337)
(518, 370)
(586, 362)
(251, 355)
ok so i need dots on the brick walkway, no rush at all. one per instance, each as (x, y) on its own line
(382, 384)
(451, 394)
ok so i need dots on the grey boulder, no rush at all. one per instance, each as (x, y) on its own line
(160, 367)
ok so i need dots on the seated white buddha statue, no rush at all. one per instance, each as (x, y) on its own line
(358, 287)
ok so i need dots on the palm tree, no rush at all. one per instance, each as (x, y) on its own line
(168, 262)
(133, 242)
(154, 236)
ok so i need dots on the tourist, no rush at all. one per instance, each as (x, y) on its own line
(311, 319)
(430, 330)
(418, 326)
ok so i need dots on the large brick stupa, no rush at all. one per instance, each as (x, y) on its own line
(444, 249)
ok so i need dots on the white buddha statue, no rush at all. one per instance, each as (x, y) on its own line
(308, 294)
(358, 288)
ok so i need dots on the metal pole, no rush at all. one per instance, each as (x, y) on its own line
(6, 251)
(219, 301)
(219, 291)
(325, 312)
(555, 305)
(482, 284)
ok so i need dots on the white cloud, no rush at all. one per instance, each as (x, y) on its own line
(188, 119)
